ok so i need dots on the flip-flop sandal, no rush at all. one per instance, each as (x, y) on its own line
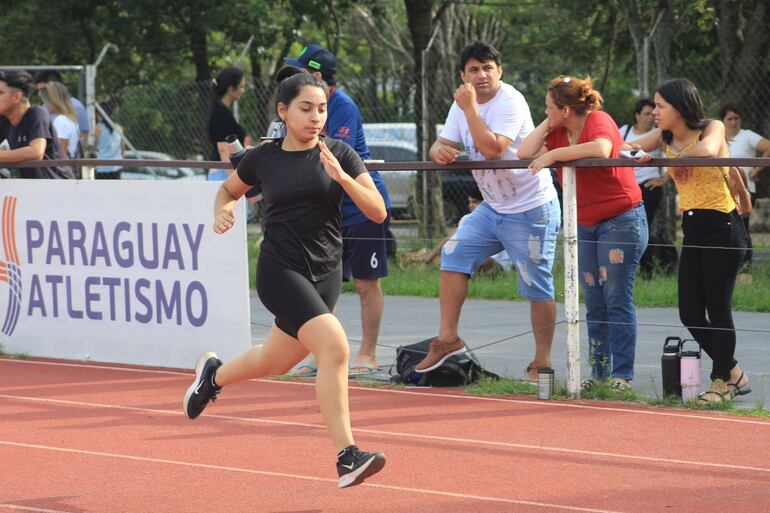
(745, 389)
(723, 397)
(618, 385)
(370, 371)
(313, 371)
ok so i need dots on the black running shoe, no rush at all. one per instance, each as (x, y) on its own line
(203, 388)
(354, 466)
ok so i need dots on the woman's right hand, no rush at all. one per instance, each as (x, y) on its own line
(223, 221)
(644, 157)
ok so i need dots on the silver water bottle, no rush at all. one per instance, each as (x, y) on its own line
(545, 383)
(237, 152)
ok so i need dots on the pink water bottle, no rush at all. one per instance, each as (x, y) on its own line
(689, 372)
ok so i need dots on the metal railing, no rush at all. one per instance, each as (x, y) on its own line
(569, 212)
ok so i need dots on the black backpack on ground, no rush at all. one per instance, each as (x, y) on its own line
(458, 370)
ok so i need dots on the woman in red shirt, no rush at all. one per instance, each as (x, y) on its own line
(612, 225)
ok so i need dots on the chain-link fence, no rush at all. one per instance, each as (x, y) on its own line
(172, 118)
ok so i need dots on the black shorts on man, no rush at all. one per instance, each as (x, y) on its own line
(364, 250)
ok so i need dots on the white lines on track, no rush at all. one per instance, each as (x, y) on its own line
(390, 434)
(295, 476)
(31, 509)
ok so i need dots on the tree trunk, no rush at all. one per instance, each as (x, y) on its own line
(332, 33)
(420, 21)
(200, 53)
(744, 43)
(637, 36)
(610, 47)
(661, 41)
(199, 48)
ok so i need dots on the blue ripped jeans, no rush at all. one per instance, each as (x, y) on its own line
(608, 257)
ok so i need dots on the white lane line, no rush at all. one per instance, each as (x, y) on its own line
(467, 441)
(28, 508)
(303, 477)
(716, 417)
(99, 367)
(101, 383)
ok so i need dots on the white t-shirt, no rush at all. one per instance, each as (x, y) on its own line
(642, 173)
(744, 145)
(507, 191)
(67, 129)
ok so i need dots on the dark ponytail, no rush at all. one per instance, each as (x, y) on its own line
(290, 88)
(225, 79)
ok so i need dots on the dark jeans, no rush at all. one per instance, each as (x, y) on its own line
(651, 199)
(749, 252)
(706, 281)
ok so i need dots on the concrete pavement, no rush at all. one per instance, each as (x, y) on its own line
(410, 319)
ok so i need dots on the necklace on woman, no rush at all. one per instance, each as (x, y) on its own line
(574, 138)
(680, 148)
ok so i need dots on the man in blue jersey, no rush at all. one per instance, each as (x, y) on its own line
(364, 256)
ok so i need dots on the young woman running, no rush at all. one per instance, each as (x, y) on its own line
(714, 237)
(299, 272)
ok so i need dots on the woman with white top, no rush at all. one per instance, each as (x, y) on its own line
(744, 143)
(65, 120)
(648, 178)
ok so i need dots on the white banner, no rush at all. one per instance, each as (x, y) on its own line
(121, 271)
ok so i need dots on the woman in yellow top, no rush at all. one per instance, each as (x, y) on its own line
(714, 237)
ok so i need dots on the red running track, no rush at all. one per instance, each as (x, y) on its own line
(78, 438)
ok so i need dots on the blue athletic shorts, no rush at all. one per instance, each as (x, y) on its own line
(528, 237)
(364, 250)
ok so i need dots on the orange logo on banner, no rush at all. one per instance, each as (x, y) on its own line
(10, 268)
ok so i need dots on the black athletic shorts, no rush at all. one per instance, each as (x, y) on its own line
(292, 297)
(364, 250)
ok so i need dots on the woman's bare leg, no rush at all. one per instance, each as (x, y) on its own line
(277, 355)
(325, 338)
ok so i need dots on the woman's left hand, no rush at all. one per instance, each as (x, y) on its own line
(330, 163)
(543, 161)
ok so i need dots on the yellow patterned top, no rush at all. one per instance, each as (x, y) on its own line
(700, 187)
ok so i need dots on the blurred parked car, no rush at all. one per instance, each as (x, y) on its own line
(400, 184)
(456, 184)
(158, 173)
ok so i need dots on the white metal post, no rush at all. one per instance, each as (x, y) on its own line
(236, 106)
(88, 171)
(571, 276)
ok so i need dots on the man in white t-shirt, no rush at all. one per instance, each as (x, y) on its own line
(520, 212)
